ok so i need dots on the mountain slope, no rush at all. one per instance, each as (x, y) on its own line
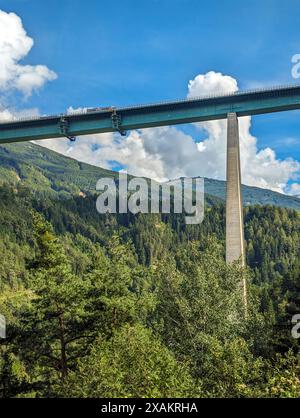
(253, 195)
(48, 172)
(43, 170)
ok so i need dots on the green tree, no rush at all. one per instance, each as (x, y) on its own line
(133, 363)
(54, 331)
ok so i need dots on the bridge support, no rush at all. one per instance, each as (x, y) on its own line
(234, 207)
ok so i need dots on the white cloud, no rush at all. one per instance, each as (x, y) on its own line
(6, 115)
(147, 153)
(293, 189)
(15, 44)
(167, 152)
(259, 167)
(13, 114)
(211, 83)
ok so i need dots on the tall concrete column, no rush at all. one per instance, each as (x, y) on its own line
(234, 207)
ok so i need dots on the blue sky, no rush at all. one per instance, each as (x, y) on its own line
(133, 51)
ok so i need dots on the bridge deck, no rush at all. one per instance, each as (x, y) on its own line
(160, 114)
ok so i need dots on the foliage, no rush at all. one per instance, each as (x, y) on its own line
(123, 305)
(133, 363)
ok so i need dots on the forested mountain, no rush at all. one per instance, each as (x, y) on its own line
(253, 195)
(138, 305)
(45, 171)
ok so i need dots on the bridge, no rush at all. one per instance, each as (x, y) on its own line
(223, 106)
(145, 116)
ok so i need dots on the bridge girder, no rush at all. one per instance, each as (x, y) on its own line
(146, 116)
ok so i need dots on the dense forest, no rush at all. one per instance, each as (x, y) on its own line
(144, 305)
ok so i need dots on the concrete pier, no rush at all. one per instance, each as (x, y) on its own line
(234, 207)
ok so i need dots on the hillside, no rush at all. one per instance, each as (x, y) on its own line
(45, 171)
(253, 195)
(84, 292)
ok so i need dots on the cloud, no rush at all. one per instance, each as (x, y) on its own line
(15, 45)
(287, 142)
(166, 153)
(211, 83)
(13, 114)
(148, 153)
(259, 168)
(6, 115)
(293, 189)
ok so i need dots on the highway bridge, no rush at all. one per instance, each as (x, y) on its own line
(223, 106)
(145, 116)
